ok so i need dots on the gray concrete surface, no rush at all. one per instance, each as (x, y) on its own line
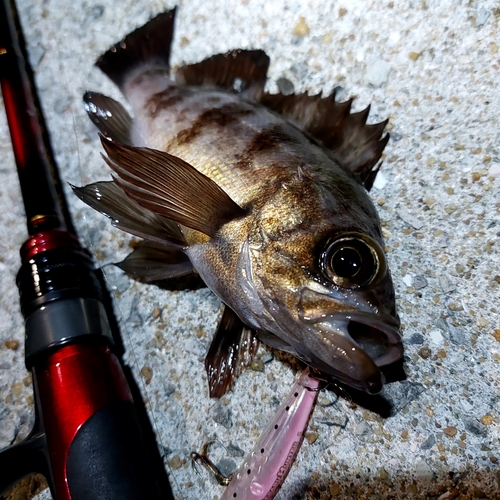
(433, 67)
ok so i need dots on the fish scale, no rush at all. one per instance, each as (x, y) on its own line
(225, 149)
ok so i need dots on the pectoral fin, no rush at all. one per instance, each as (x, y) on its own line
(151, 262)
(170, 187)
(233, 348)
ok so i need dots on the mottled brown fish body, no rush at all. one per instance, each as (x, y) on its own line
(240, 145)
(261, 195)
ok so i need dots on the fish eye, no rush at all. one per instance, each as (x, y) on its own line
(353, 260)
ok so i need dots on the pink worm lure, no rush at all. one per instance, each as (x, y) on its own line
(265, 468)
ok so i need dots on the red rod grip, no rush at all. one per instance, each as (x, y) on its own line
(74, 384)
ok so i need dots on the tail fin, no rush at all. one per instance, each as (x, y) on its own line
(149, 44)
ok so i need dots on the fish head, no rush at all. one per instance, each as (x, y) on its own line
(315, 260)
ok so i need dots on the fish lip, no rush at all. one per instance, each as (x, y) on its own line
(371, 384)
(385, 323)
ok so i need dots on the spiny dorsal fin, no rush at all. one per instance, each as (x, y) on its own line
(125, 214)
(237, 70)
(151, 261)
(232, 349)
(170, 187)
(109, 116)
(147, 45)
(357, 147)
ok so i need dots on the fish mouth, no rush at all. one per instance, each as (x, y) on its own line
(352, 347)
(377, 336)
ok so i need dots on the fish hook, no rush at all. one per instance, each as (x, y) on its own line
(202, 457)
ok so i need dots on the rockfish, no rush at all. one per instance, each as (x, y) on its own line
(263, 195)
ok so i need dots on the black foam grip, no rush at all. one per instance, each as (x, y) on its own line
(108, 458)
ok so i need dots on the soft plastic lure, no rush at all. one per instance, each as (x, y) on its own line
(266, 467)
(263, 471)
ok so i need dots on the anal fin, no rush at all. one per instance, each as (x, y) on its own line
(125, 214)
(109, 116)
(232, 349)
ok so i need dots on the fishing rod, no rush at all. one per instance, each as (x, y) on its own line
(87, 439)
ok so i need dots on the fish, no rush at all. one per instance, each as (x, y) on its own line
(263, 196)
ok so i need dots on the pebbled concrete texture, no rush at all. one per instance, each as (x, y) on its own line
(433, 68)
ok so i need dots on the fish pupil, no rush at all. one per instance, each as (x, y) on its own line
(346, 262)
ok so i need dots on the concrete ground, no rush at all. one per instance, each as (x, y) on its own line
(433, 68)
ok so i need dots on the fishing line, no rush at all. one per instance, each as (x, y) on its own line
(131, 359)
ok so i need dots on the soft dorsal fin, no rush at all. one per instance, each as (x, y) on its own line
(170, 187)
(232, 349)
(237, 70)
(356, 146)
(147, 45)
(151, 262)
(109, 116)
(125, 214)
